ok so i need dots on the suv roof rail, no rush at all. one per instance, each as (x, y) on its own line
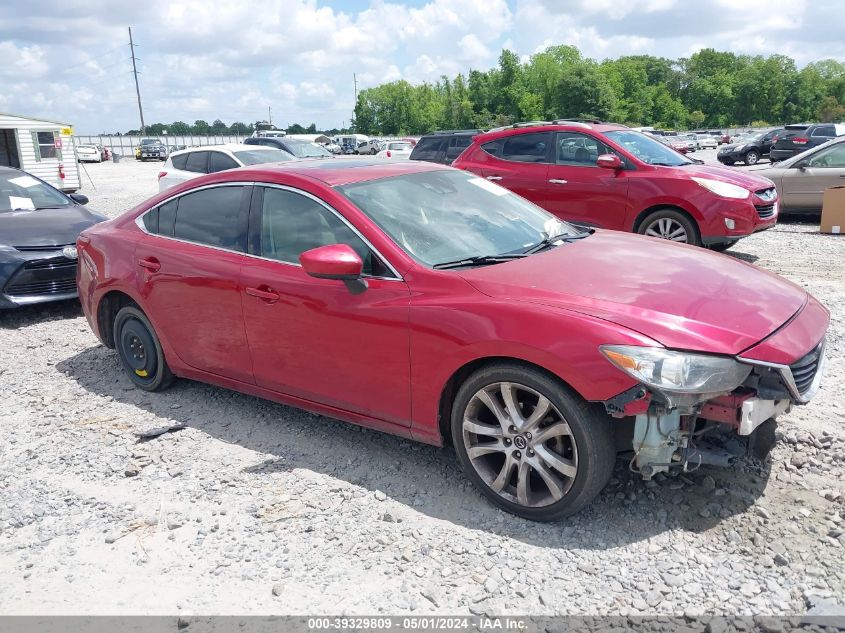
(528, 124)
(455, 132)
(575, 122)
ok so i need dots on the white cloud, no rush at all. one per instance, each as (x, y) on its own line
(231, 60)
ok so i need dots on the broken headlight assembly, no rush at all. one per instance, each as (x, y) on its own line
(680, 378)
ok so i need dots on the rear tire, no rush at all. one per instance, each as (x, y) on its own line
(140, 350)
(670, 225)
(551, 475)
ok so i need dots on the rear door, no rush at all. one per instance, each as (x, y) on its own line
(519, 162)
(188, 267)
(581, 191)
(803, 189)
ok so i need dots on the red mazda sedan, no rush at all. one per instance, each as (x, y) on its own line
(430, 303)
(610, 176)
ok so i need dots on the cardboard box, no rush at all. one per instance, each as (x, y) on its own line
(833, 210)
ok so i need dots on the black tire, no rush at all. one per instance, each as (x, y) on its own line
(140, 350)
(692, 235)
(591, 431)
(722, 246)
(752, 157)
(728, 162)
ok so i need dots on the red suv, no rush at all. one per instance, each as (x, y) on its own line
(612, 177)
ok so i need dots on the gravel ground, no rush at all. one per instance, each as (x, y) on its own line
(259, 508)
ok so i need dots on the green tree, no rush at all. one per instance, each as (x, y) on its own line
(830, 110)
(696, 118)
(201, 127)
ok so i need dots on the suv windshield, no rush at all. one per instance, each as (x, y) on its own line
(307, 150)
(647, 149)
(443, 216)
(256, 156)
(150, 141)
(22, 191)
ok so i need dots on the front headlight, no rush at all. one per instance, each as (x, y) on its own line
(739, 148)
(724, 189)
(678, 372)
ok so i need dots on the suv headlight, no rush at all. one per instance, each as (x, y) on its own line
(678, 372)
(724, 189)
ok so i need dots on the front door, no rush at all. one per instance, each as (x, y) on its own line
(314, 338)
(803, 187)
(187, 271)
(582, 192)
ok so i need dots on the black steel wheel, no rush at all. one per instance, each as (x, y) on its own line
(531, 445)
(140, 351)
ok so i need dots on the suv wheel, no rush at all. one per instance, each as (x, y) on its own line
(751, 157)
(670, 225)
(529, 444)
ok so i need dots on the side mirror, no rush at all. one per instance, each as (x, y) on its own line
(609, 161)
(335, 261)
(78, 198)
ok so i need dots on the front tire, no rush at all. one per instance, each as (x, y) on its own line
(530, 445)
(672, 225)
(752, 157)
(722, 246)
(140, 350)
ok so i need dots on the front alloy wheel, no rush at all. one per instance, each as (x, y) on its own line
(531, 446)
(669, 224)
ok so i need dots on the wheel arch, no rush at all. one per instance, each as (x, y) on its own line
(107, 308)
(450, 389)
(671, 207)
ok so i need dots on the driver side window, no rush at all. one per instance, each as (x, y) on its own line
(292, 223)
(832, 157)
(579, 150)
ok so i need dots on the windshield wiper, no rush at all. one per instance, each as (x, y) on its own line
(554, 239)
(479, 260)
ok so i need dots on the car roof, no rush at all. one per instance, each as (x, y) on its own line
(549, 126)
(341, 171)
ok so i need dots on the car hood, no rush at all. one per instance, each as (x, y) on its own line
(45, 227)
(747, 180)
(682, 296)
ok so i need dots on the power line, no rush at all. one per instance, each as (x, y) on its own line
(137, 88)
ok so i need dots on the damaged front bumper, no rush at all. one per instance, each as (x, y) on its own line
(670, 437)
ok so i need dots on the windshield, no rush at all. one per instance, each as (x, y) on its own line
(150, 141)
(647, 149)
(22, 191)
(307, 150)
(256, 156)
(442, 216)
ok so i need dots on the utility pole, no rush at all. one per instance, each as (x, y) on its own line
(269, 116)
(355, 81)
(137, 89)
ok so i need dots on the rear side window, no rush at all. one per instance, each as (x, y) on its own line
(179, 161)
(526, 148)
(218, 161)
(429, 149)
(824, 130)
(457, 145)
(197, 162)
(213, 217)
(160, 220)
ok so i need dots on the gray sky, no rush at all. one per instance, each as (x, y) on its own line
(69, 60)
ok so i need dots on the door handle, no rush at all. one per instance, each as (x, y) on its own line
(269, 295)
(494, 177)
(558, 181)
(150, 263)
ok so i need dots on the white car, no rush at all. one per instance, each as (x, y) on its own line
(704, 141)
(196, 161)
(88, 153)
(396, 149)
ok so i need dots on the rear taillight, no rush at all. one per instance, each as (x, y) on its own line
(800, 140)
(61, 172)
(161, 174)
(389, 154)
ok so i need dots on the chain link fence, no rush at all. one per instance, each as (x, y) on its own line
(125, 145)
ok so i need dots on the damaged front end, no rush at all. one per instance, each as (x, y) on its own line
(681, 397)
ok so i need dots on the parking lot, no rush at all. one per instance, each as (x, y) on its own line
(255, 507)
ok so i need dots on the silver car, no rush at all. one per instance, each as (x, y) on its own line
(802, 179)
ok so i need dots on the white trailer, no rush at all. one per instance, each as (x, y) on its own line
(41, 147)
